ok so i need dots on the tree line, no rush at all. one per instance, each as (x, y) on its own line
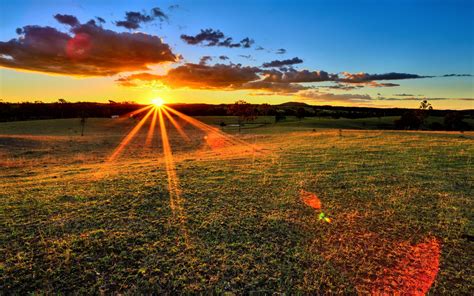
(409, 118)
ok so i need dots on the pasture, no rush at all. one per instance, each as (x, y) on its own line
(400, 207)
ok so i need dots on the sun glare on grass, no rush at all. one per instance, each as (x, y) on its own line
(158, 102)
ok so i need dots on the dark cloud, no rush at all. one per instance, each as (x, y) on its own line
(378, 84)
(228, 43)
(341, 86)
(133, 19)
(294, 76)
(404, 95)
(275, 87)
(204, 60)
(457, 75)
(67, 19)
(174, 7)
(280, 63)
(196, 76)
(158, 13)
(245, 56)
(281, 51)
(219, 76)
(223, 57)
(207, 36)
(315, 95)
(88, 50)
(211, 37)
(420, 99)
(388, 84)
(92, 23)
(366, 77)
(247, 42)
(270, 81)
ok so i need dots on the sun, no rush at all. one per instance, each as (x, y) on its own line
(158, 102)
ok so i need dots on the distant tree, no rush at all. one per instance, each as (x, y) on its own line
(424, 105)
(243, 110)
(409, 120)
(319, 113)
(414, 119)
(280, 115)
(264, 109)
(62, 101)
(222, 124)
(112, 102)
(300, 113)
(424, 111)
(436, 126)
(454, 121)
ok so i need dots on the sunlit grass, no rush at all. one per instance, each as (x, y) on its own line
(391, 195)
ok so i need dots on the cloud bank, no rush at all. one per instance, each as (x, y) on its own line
(86, 50)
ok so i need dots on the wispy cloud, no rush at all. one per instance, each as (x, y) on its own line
(211, 37)
(281, 63)
(134, 19)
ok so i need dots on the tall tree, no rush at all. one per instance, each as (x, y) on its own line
(243, 110)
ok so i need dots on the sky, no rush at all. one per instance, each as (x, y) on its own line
(345, 53)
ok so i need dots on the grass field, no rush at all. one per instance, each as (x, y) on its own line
(73, 222)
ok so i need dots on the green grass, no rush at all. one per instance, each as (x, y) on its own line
(65, 228)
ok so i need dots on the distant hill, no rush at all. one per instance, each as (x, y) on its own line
(294, 104)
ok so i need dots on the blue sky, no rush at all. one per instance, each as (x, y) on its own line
(417, 37)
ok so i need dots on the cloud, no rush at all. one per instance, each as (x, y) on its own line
(133, 19)
(211, 37)
(158, 13)
(245, 56)
(294, 76)
(87, 50)
(101, 20)
(315, 95)
(280, 63)
(342, 86)
(378, 84)
(204, 60)
(219, 76)
(174, 6)
(259, 48)
(457, 75)
(223, 57)
(246, 42)
(271, 82)
(424, 98)
(362, 77)
(275, 87)
(196, 76)
(404, 95)
(280, 51)
(67, 19)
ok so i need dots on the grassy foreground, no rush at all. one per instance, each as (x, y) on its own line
(71, 222)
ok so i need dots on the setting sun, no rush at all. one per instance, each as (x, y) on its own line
(158, 102)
